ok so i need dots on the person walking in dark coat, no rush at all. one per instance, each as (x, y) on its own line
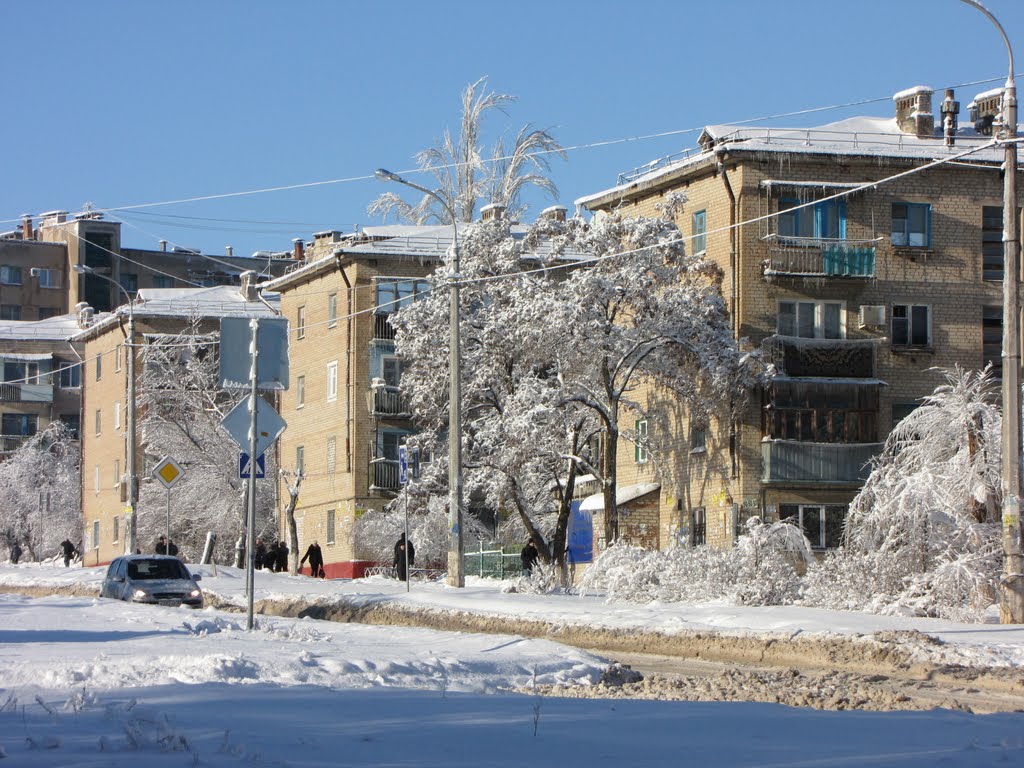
(270, 558)
(15, 553)
(529, 557)
(400, 557)
(261, 554)
(69, 551)
(172, 549)
(282, 557)
(316, 561)
(161, 545)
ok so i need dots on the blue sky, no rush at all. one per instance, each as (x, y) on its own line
(124, 103)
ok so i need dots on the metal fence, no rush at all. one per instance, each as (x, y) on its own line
(493, 563)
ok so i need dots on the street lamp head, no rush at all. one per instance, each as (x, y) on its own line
(385, 175)
(82, 269)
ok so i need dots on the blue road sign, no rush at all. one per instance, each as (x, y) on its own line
(403, 465)
(244, 466)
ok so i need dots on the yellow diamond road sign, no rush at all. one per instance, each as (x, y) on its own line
(168, 471)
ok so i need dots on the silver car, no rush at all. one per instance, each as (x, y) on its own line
(153, 579)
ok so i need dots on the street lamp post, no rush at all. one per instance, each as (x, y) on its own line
(131, 537)
(456, 545)
(1011, 597)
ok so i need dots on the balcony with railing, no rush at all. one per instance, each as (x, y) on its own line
(796, 357)
(26, 393)
(11, 443)
(384, 475)
(793, 461)
(819, 257)
(382, 328)
(386, 401)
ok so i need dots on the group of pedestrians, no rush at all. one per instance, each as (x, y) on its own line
(273, 558)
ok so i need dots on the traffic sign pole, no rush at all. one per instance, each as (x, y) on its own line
(250, 560)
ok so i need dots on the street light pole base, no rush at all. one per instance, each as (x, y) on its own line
(1011, 599)
(456, 572)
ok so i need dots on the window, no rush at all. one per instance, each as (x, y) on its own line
(330, 526)
(911, 225)
(96, 478)
(73, 422)
(300, 459)
(300, 323)
(99, 367)
(19, 424)
(332, 381)
(698, 439)
(900, 411)
(642, 453)
(992, 339)
(910, 325)
(821, 221)
(99, 421)
(117, 529)
(117, 415)
(45, 313)
(699, 526)
(95, 534)
(332, 310)
(10, 312)
(393, 295)
(700, 229)
(117, 472)
(822, 524)
(811, 319)
(49, 278)
(10, 275)
(18, 372)
(819, 412)
(70, 375)
(130, 282)
(117, 358)
(391, 370)
(163, 281)
(992, 242)
(332, 454)
(300, 391)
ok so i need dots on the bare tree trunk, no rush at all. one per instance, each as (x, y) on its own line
(293, 533)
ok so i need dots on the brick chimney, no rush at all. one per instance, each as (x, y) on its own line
(985, 110)
(26, 226)
(298, 249)
(950, 117)
(914, 111)
(248, 288)
(554, 213)
(492, 212)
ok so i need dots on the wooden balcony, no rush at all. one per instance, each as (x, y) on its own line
(813, 257)
(384, 475)
(387, 402)
(791, 461)
(26, 393)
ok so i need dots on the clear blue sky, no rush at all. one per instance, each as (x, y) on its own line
(121, 103)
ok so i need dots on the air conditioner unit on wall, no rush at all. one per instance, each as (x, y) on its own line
(871, 315)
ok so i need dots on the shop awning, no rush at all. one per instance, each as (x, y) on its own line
(623, 495)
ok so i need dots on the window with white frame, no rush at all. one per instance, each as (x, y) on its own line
(117, 357)
(99, 421)
(96, 479)
(117, 415)
(911, 325)
(50, 278)
(300, 323)
(911, 225)
(300, 391)
(99, 367)
(117, 529)
(332, 381)
(699, 526)
(117, 472)
(300, 459)
(332, 310)
(700, 230)
(698, 439)
(393, 295)
(811, 319)
(70, 375)
(822, 524)
(95, 534)
(642, 454)
(821, 221)
(10, 311)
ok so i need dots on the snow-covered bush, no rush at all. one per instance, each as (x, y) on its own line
(377, 530)
(758, 571)
(923, 534)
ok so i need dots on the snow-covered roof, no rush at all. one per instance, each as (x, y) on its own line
(855, 136)
(215, 301)
(58, 328)
(623, 495)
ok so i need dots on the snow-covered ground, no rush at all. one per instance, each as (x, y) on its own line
(91, 682)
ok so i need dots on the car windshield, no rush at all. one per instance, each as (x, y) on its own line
(157, 569)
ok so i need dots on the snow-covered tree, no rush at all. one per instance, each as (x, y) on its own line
(550, 356)
(923, 535)
(645, 312)
(463, 177)
(181, 407)
(40, 493)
